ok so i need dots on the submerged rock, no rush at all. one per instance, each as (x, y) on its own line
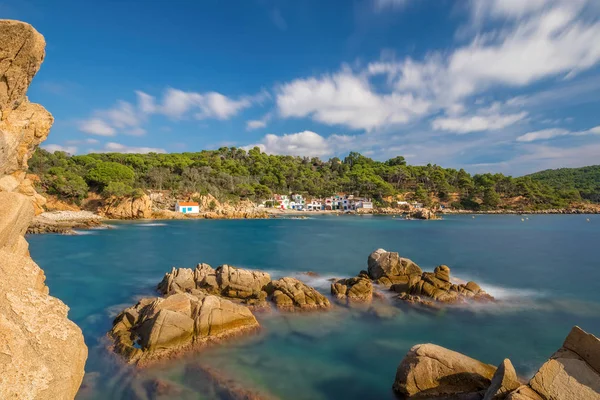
(156, 328)
(291, 294)
(353, 290)
(431, 371)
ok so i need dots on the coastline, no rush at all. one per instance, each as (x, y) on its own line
(66, 222)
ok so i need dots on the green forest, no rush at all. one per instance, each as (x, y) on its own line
(585, 180)
(231, 174)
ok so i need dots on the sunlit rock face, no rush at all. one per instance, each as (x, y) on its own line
(42, 353)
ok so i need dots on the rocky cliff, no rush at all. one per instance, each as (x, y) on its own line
(42, 353)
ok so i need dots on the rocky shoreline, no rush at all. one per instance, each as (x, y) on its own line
(206, 305)
(433, 372)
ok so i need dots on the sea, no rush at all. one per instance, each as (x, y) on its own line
(543, 269)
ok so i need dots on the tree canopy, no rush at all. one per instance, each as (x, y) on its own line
(231, 173)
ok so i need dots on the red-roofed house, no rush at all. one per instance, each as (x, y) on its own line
(187, 207)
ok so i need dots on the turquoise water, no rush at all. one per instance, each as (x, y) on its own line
(545, 269)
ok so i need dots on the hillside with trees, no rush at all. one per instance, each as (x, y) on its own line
(585, 180)
(232, 174)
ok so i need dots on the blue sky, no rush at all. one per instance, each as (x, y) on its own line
(507, 86)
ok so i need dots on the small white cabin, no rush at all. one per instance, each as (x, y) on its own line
(187, 207)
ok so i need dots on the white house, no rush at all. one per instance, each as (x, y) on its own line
(187, 207)
(364, 204)
(314, 205)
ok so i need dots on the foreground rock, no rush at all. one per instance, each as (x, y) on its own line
(433, 371)
(353, 290)
(42, 353)
(405, 277)
(251, 288)
(573, 372)
(157, 328)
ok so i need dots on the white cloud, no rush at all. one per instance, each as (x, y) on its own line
(259, 123)
(477, 123)
(306, 143)
(146, 102)
(546, 134)
(126, 118)
(56, 147)
(348, 99)
(120, 148)
(97, 126)
(177, 103)
(83, 141)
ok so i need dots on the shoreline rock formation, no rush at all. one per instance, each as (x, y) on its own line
(42, 352)
(203, 306)
(414, 286)
(158, 328)
(252, 288)
(572, 372)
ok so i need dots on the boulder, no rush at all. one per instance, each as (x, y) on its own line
(504, 381)
(242, 283)
(353, 290)
(571, 372)
(388, 268)
(291, 294)
(423, 213)
(42, 353)
(233, 283)
(438, 286)
(430, 371)
(156, 328)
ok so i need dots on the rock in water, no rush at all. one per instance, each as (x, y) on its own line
(291, 294)
(157, 328)
(353, 290)
(246, 286)
(430, 371)
(504, 381)
(42, 353)
(388, 268)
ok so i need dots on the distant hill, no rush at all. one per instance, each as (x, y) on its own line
(586, 180)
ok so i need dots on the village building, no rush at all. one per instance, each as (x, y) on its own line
(187, 207)
(315, 205)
